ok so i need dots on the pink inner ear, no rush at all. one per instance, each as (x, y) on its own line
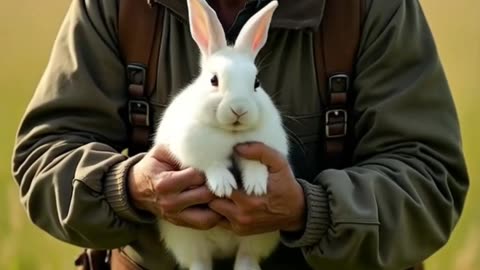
(201, 31)
(203, 41)
(258, 36)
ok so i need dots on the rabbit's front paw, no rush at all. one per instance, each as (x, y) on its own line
(254, 177)
(246, 263)
(220, 181)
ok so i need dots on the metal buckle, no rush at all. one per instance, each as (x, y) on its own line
(335, 113)
(133, 70)
(139, 107)
(339, 83)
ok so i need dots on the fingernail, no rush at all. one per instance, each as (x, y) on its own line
(243, 146)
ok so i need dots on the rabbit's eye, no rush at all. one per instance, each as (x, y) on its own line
(214, 80)
(257, 84)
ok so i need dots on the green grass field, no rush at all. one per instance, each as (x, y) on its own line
(27, 31)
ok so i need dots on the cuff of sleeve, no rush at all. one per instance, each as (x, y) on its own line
(116, 192)
(318, 218)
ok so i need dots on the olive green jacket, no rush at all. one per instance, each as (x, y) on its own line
(394, 206)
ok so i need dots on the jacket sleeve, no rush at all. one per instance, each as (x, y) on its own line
(403, 196)
(67, 159)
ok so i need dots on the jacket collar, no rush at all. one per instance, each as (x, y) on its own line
(290, 14)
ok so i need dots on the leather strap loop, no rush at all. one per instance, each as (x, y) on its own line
(140, 24)
(335, 46)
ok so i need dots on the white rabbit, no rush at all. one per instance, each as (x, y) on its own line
(223, 106)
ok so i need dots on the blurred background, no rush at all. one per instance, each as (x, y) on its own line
(28, 29)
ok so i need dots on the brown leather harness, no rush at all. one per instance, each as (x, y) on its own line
(335, 45)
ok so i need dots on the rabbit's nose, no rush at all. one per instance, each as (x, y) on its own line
(239, 111)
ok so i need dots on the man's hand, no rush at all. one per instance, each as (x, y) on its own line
(282, 208)
(156, 185)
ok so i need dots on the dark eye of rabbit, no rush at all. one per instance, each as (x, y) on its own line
(257, 84)
(214, 80)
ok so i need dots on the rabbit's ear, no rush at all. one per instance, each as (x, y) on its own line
(254, 33)
(205, 27)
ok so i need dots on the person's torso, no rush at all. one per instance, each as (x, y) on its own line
(287, 72)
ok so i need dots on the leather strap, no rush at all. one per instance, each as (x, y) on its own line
(335, 46)
(140, 25)
(120, 261)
